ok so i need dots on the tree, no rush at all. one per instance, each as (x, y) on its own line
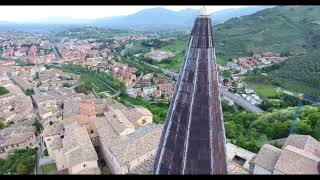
(46, 152)
(2, 125)
(38, 126)
(226, 74)
(29, 92)
(3, 90)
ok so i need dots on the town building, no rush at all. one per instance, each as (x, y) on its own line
(16, 137)
(127, 149)
(299, 155)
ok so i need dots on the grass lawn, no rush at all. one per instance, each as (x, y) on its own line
(46, 169)
(174, 63)
(95, 84)
(264, 90)
(105, 170)
(179, 45)
(3, 90)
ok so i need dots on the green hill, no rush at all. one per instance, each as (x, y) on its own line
(281, 29)
(300, 73)
(293, 29)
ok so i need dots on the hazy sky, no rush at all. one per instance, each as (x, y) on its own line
(32, 13)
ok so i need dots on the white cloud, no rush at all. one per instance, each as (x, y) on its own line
(32, 13)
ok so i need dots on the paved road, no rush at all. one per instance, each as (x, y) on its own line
(240, 101)
(55, 52)
(164, 71)
(237, 99)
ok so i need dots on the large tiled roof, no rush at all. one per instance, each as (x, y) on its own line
(118, 121)
(268, 157)
(304, 142)
(127, 148)
(77, 145)
(57, 143)
(51, 130)
(144, 168)
(134, 114)
(296, 161)
(144, 140)
(90, 171)
(16, 134)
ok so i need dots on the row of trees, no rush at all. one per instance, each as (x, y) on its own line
(156, 43)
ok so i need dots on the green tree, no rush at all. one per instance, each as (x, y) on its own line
(3, 90)
(29, 92)
(2, 125)
(38, 126)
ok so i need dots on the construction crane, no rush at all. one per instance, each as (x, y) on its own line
(301, 97)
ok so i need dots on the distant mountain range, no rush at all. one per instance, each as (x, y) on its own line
(159, 18)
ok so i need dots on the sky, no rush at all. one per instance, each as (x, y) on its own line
(34, 13)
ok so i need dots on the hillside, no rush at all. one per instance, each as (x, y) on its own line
(300, 74)
(163, 18)
(280, 29)
(226, 14)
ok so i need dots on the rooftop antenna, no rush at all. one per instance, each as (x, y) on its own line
(203, 11)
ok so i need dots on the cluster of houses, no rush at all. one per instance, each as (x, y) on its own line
(244, 64)
(76, 124)
(16, 115)
(28, 48)
(75, 49)
(154, 86)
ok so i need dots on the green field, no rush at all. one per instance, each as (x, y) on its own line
(100, 82)
(49, 168)
(179, 45)
(95, 84)
(264, 90)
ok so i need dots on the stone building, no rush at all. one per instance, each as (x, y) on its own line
(16, 137)
(299, 155)
(126, 143)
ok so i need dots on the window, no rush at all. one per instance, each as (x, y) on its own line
(143, 121)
